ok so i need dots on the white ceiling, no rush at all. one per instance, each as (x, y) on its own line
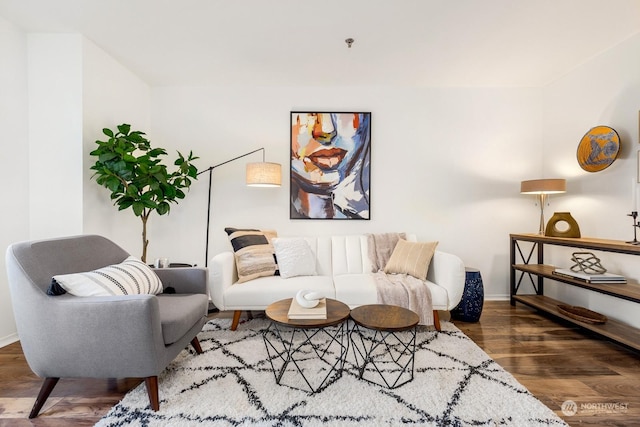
(301, 42)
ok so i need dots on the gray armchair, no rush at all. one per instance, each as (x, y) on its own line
(131, 336)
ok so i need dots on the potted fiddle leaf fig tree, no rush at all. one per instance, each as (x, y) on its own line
(132, 170)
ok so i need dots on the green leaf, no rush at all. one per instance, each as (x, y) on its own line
(163, 208)
(108, 132)
(138, 208)
(132, 190)
(113, 183)
(124, 128)
(105, 157)
(168, 190)
(157, 152)
(149, 204)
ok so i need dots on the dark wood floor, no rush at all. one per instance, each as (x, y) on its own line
(553, 360)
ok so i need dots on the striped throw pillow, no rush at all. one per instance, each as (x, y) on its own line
(254, 252)
(412, 258)
(130, 277)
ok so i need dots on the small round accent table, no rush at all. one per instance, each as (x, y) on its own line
(288, 343)
(384, 339)
(470, 307)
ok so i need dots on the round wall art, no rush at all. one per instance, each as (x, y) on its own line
(598, 148)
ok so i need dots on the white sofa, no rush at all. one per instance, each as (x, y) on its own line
(343, 273)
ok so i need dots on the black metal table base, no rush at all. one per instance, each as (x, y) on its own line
(384, 358)
(294, 358)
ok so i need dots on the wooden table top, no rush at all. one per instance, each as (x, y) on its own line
(337, 312)
(389, 318)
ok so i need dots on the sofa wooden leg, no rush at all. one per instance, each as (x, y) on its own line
(436, 320)
(236, 319)
(45, 391)
(152, 390)
(196, 345)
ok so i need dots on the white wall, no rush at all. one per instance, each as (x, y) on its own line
(603, 91)
(14, 202)
(55, 134)
(446, 165)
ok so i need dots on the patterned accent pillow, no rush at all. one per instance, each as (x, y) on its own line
(254, 253)
(412, 258)
(131, 277)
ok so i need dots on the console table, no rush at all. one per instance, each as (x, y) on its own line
(524, 264)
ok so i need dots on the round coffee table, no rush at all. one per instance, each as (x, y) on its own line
(337, 312)
(384, 337)
(289, 344)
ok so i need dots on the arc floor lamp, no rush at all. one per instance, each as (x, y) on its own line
(259, 174)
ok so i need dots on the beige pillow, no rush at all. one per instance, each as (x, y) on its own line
(411, 258)
(254, 253)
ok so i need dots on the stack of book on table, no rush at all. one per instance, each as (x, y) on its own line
(296, 311)
(590, 278)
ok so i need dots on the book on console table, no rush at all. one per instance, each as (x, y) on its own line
(296, 311)
(590, 278)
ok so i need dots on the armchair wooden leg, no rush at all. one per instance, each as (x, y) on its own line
(196, 345)
(436, 320)
(45, 391)
(236, 319)
(152, 390)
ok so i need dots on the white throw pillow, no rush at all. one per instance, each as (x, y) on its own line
(295, 257)
(130, 277)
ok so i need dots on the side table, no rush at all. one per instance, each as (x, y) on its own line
(470, 307)
(384, 338)
(291, 352)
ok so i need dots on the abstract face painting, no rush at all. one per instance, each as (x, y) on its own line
(330, 165)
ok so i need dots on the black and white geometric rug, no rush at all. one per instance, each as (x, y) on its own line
(232, 384)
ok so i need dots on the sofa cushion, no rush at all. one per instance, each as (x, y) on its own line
(356, 289)
(411, 258)
(253, 252)
(258, 293)
(179, 312)
(295, 257)
(130, 277)
(360, 289)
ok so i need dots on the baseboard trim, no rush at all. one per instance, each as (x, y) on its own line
(498, 297)
(9, 339)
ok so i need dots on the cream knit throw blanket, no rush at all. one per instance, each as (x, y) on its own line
(397, 289)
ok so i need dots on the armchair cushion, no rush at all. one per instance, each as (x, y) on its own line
(179, 312)
(131, 277)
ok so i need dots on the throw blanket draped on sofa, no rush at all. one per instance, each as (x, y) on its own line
(398, 289)
(405, 291)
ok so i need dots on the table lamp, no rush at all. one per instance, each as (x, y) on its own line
(542, 188)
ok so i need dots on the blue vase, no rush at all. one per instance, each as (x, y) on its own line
(470, 307)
